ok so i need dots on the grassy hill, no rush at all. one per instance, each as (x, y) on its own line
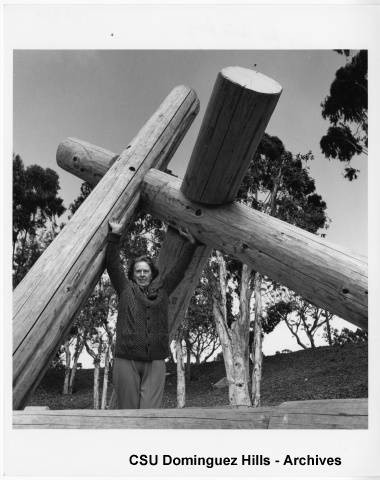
(325, 372)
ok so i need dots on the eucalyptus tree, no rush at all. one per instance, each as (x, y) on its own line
(36, 208)
(346, 107)
(279, 184)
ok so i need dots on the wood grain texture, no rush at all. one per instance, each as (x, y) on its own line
(315, 414)
(45, 302)
(85, 160)
(323, 273)
(179, 300)
(237, 114)
(332, 414)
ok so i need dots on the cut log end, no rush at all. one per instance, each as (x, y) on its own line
(252, 80)
(241, 104)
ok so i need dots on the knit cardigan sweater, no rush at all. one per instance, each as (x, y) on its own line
(142, 323)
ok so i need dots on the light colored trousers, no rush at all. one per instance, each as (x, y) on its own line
(138, 384)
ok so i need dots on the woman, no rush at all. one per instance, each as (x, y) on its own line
(142, 339)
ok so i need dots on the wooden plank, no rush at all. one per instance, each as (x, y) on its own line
(332, 414)
(47, 299)
(325, 274)
(34, 408)
(315, 414)
(350, 406)
(237, 114)
(188, 418)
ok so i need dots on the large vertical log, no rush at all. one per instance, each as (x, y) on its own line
(237, 114)
(46, 300)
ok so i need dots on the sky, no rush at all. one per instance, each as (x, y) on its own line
(106, 96)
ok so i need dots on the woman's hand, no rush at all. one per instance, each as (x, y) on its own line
(115, 227)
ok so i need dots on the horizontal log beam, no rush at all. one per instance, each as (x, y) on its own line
(46, 300)
(85, 160)
(324, 274)
(319, 414)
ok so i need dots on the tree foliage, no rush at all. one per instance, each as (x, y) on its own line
(35, 197)
(36, 205)
(346, 108)
(198, 329)
(279, 183)
(301, 317)
(346, 335)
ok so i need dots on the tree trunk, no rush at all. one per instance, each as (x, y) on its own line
(181, 383)
(65, 390)
(257, 348)
(235, 357)
(46, 300)
(311, 340)
(295, 334)
(328, 328)
(113, 400)
(188, 360)
(96, 383)
(242, 327)
(78, 351)
(105, 377)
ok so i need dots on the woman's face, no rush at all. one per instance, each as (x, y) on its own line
(142, 274)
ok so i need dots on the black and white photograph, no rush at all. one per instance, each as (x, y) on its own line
(190, 234)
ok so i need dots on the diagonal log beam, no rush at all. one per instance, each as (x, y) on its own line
(323, 273)
(46, 301)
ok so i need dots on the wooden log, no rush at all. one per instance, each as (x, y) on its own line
(319, 414)
(237, 114)
(324, 274)
(47, 299)
(189, 418)
(338, 413)
(85, 160)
